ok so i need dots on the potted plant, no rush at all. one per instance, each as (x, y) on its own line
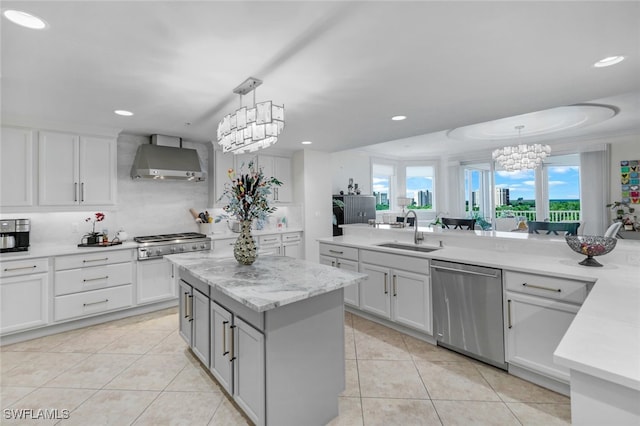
(624, 214)
(247, 197)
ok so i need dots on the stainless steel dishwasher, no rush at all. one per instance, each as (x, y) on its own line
(467, 310)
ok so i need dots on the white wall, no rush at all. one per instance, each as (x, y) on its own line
(313, 189)
(350, 164)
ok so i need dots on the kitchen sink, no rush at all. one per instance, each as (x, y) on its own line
(411, 247)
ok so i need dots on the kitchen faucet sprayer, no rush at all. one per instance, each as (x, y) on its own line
(416, 238)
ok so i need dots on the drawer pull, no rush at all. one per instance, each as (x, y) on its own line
(233, 344)
(20, 268)
(95, 303)
(336, 251)
(95, 260)
(539, 287)
(224, 338)
(395, 285)
(509, 313)
(95, 279)
(266, 240)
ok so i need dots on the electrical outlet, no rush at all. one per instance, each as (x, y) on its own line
(75, 228)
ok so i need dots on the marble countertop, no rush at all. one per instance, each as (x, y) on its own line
(270, 282)
(604, 338)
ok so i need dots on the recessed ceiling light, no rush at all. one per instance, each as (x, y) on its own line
(25, 19)
(306, 142)
(123, 112)
(399, 117)
(611, 60)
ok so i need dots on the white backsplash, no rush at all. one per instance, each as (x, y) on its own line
(144, 206)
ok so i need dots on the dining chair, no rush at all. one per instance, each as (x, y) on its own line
(612, 231)
(565, 228)
(468, 224)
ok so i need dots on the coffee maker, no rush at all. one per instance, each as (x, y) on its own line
(14, 235)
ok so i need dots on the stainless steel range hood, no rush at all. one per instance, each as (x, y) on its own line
(163, 162)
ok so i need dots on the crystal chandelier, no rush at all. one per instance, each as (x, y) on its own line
(250, 129)
(522, 156)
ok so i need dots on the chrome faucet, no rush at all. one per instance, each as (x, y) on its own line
(416, 238)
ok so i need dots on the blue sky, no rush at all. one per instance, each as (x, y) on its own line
(564, 183)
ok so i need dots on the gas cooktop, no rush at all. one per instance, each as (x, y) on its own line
(164, 238)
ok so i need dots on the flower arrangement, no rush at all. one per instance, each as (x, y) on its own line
(99, 217)
(247, 195)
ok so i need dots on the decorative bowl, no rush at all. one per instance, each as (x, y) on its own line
(590, 245)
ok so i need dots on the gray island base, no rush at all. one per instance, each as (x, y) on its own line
(271, 333)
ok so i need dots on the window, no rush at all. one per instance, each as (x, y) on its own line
(562, 176)
(477, 190)
(515, 193)
(551, 193)
(419, 187)
(382, 179)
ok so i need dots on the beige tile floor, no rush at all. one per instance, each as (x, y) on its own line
(138, 371)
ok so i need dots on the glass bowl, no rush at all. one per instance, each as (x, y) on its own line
(591, 246)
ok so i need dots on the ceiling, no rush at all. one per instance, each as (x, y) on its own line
(341, 69)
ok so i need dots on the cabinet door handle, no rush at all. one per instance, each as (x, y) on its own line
(95, 303)
(104, 259)
(335, 251)
(386, 287)
(338, 264)
(224, 338)
(539, 287)
(19, 268)
(75, 191)
(95, 279)
(82, 192)
(190, 308)
(509, 313)
(395, 285)
(333, 263)
(186, 304)
(172, 271)
(233, 343)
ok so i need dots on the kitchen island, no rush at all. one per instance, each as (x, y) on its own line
(271, 333)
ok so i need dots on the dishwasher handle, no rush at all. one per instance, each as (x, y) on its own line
(464, 271)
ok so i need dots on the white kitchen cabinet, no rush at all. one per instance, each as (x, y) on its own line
(200, 326)
(292, 245)
(279, 168)
(247, 353)
(16, 167)
(224, 248)
(538, 312)
(345, 258)
(24, 299)
(194, 320)
(397, 288)
(185, 311)
(155, 281)
(269, 245)
(92, 283)
(76, 170)
(535, 326)
(220, 335)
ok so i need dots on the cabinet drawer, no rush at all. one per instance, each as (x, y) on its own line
(550, 287)
(339, 251)
(83, 279)
(24, 267)
(92, 259)
(224, 248)
(269, 240)
(397, 261)
(294, 236)
(92, 302)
